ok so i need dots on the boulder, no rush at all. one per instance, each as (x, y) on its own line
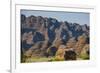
(60, 53)
(70, 55)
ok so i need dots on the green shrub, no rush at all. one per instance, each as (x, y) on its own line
(84, 56)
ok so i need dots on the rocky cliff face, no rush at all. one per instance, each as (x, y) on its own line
(47, 32)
